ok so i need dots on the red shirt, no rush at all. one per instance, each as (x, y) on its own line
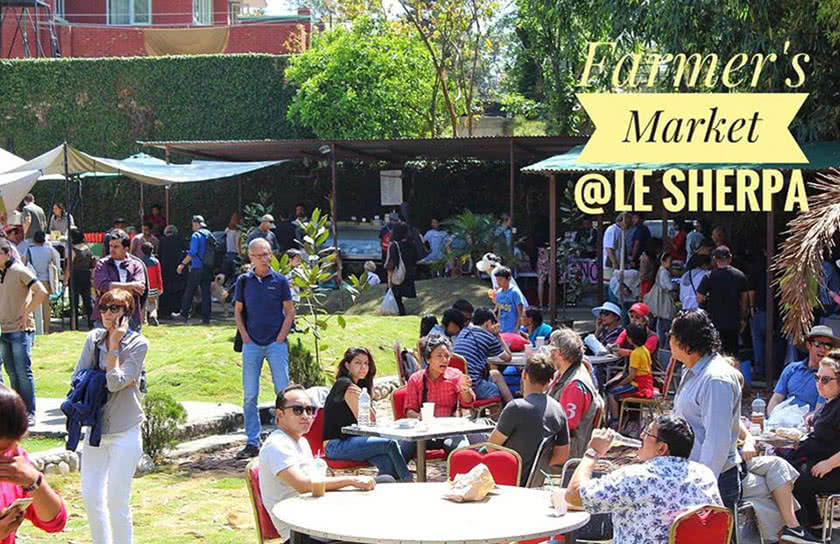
(444, 391)
(155, 278)
(678, 246)
(651, 343)
(9, 492)
(574, 398)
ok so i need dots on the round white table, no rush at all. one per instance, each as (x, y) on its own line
(417, 513)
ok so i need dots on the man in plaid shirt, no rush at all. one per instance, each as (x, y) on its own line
(442, 385)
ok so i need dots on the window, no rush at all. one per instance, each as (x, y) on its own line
(59, 8)
(129, 12)
(203, 12)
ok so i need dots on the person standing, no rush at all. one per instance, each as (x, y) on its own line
(118, 224)
(156, 218)
(199, 275)
(61, 221)
(20, 294)
(171, 254)
(121, 270)
(402, 249)
(34, 218)
(82, 264)
(641, 236)
(264, 231)
(285, 232)
(233, 248)
(724, 295)
(709, 399)
(264, 313)
(155, 284)
(614, 245)
(145, 236)
(46, 262)
(108, 468)
(694, 238)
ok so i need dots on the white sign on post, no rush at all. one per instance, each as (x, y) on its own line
(390, 187)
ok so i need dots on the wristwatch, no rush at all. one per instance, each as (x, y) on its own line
(592, 454)
(33, 487)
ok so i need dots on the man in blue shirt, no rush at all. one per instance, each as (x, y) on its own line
(199, 274)
(264, 313)
(508, 302)
(797, 379)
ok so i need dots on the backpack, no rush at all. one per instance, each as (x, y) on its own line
(210, 245)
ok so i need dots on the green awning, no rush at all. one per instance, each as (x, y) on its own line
(821, 156)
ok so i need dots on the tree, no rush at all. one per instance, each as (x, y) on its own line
(369, 81)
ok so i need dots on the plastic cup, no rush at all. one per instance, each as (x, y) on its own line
(319, 486)
(427, 411)
(558, 501)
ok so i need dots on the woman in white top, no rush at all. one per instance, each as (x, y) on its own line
(60, 219)
(232, 249)
(43, 257)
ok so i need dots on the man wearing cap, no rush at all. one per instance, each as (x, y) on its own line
(199, 274)
(797, 379)
(723, 294)
(264, 231)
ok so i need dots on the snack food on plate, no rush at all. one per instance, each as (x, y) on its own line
(788, 432)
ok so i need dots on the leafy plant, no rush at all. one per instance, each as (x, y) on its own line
(303, 368)
(251, 215)
(160, 429)
(474, 235)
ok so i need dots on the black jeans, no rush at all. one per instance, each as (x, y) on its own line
(806, 489)
(729, 485)
(81, 286)
(197, 278)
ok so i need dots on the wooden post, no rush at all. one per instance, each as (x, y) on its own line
(552, 259)
(512, 180)
(166, 155)
(239, 209)
(769, 351)
(142, 206)
(68, 251)
(334, 213)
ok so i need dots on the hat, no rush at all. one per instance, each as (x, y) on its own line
(607, 307)
(722, 253)
(640, 308)
(370, 266)
(10, 228)
(267, 218)
(118, 220)
(199, 219)
(823, 330)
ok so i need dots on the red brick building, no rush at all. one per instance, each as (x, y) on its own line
(121, 28)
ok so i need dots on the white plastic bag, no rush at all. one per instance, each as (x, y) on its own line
(787, 414)
(389, 304)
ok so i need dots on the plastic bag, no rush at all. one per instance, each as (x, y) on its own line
(472, 486)
(389, 304)
(787, 414)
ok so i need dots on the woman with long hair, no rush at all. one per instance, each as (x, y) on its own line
(233, 249)
(108, 469)
(61, 221)
(356, 371)
(19, 478)
(82, 263)
(401, 248)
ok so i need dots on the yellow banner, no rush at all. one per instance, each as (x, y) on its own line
(701, 128)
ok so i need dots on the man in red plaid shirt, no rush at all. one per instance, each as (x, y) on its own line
(438, 383)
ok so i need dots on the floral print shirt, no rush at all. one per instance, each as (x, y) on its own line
(644, 499)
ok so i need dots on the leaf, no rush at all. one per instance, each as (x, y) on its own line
(340, 320)
(323, 347)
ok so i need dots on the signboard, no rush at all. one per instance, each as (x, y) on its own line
(390, 187)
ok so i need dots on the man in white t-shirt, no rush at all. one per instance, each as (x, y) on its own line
(614, 245)
(286, 462)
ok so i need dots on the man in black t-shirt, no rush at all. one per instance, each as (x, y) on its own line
(723, 294)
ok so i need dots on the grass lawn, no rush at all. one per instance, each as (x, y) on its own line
(197, 362)
(169, 507)
(33, 445)
(433, 296)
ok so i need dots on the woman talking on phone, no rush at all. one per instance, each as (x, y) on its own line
(20, 481)
(108, 467)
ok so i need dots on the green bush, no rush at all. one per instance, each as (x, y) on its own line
(303, 368)
(160, 430)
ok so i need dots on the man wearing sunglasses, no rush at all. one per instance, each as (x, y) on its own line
(797, 379)
(286, 462)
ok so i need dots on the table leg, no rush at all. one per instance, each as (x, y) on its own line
(421, 460)
(569, 538)
(297, 538)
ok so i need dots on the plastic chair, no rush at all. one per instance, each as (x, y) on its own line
(399, 411)
(504, 463)
(316, 444)
(828, 515)
(706, 524)
(265, 527)
(456, 361)
(634, 404)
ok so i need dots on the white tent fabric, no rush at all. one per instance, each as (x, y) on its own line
(143, 169)
(9, 160)
(14, 186)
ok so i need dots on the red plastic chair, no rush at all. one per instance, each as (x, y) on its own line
(706, 524)
(398, 408)
(316, 444)
(456, 361)
(265, 527)
(504, 463)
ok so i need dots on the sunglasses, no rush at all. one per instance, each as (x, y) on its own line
(113, 308)
(824, 345)
(298, 410)
(824, 379)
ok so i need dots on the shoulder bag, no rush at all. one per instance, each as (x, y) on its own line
(398, 274)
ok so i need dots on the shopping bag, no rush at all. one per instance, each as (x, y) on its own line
(389, 304)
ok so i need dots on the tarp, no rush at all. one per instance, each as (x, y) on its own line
(14, 186)
(821, 156)
(186, 41)
(144, 168)
(9, 160)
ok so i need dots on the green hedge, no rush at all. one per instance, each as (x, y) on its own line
(102, 106)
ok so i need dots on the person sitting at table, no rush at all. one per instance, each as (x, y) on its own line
(573, 388)
(478, 342)
(639, 315)
(438, 383)
(645, 498)
(286, 462)
(465, 307)
(356, 370)
(20, 479)
(818, 456)
(637, 381)
(525, 422)
(533, 326)
(797, 379)
(607, 323)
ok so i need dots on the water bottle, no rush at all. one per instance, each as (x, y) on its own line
(621, 441)
(364, 408)
(758, 408)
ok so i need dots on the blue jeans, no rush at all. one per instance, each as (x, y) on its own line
(729, 485)
(758, 327)
(384, 454)
(16, 353)
(485, 389)
(409, 447)
(253, 356)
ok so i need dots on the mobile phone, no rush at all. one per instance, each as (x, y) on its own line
(18, 506)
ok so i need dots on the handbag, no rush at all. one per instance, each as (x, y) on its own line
(660, 302)
(398, 274)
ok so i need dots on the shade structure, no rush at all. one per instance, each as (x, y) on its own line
(14, 186)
